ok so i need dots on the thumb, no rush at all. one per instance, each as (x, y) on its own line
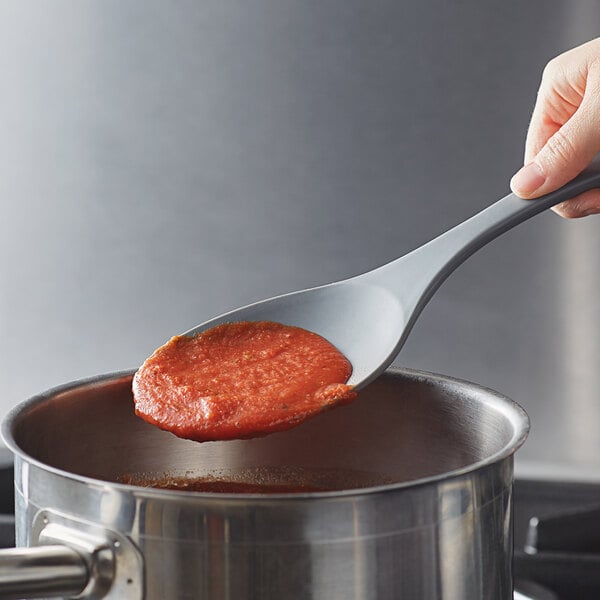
(564, 155)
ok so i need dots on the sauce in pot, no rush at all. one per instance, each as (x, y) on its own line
(259, 480)
(222, 486)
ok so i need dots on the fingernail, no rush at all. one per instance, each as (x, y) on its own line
(526, 181)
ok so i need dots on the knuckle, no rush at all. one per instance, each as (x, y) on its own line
(560, 149)
(552, 68)
(582, 205)
(566, 209)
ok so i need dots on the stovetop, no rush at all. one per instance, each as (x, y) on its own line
(557, 539)
(556, 535)
(7, 500)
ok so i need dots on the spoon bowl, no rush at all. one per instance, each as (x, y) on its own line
(361, 319)
(369, 317)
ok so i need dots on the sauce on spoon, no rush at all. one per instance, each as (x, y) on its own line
(240, 380)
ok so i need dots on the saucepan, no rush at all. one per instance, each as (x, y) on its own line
(414, 489)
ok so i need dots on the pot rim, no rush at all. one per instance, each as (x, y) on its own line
(512, 411)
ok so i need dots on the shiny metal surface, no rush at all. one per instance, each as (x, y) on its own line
(71, 557)
(433, 522)
(41, 572)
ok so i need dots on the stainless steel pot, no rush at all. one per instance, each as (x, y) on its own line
(426, 463)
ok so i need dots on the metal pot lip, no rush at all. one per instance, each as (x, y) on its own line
(509, 408)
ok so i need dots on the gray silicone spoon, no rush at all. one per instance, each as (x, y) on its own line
(369, 317)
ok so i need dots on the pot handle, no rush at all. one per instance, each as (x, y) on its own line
(70, 557)
(41, 572)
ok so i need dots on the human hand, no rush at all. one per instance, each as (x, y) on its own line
(564, 133)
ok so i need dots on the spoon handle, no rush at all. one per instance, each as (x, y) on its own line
(428, 266)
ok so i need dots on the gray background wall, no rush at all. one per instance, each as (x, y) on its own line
(162, 162)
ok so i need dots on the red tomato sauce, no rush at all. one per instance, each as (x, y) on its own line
(240, 380)
(219, 486)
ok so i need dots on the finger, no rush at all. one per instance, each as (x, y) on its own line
(571, 148)
(564, 155)
(583, 205)
(561, 92)
(541, 127)
(538, 134)
(563, 136)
